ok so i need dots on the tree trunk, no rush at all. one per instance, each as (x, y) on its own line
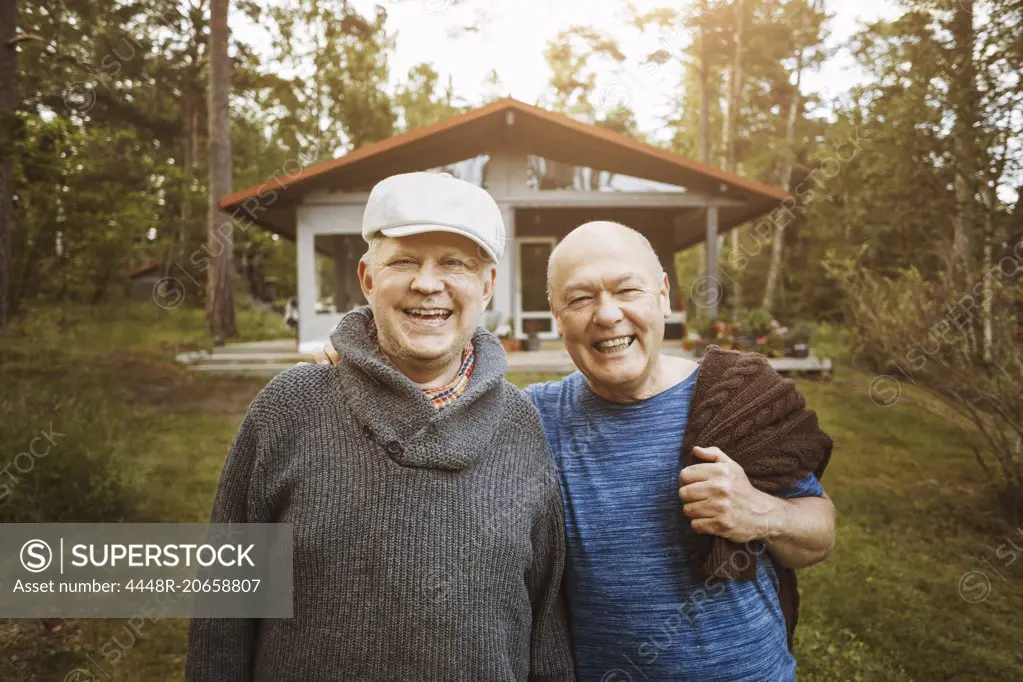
(734, 90)
(187, 176)
(795, 107)
(964, 96)
(731, 126)
(8, 103)
(704, 87)
(220, 238)
(987, 304)
(704, 138)
(1016, 241)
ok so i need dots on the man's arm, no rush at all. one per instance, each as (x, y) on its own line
(800, 531)
(222, 649)
(721, 501)
(550, 652)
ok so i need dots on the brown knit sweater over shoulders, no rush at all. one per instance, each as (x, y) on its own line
(759, 419)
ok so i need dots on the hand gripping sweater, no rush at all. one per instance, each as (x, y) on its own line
(760, 420)
(429, 544)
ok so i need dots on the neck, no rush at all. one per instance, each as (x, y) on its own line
(424, 375)
(665, 371)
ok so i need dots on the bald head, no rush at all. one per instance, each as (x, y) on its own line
(597, 240)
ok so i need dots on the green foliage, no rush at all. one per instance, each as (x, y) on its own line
(75, 240)
(337, 98)
(831, 341)
(905, 328)
(772, 34)
(579, 58)
(110, 140)
(573, 79)
(423, 101)
(755, 322)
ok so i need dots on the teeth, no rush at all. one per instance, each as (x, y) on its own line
(428, 312)
(614, 344)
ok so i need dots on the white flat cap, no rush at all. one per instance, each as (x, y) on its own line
(413, 203)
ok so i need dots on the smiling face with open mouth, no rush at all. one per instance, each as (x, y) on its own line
(427, 292)
(610, 300)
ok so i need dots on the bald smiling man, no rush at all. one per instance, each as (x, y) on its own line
(644, 514)
(640, 605)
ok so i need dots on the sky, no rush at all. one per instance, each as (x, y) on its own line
(517, 31)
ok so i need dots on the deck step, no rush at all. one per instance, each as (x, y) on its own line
(255, 369)
(269, 358)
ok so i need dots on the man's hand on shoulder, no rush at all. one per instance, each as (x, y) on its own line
(326, 355)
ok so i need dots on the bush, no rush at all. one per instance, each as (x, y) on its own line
(66, 443)
(904, 328)
(755, 323)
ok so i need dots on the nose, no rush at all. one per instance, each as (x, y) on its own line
(608, 312)
(426, 280)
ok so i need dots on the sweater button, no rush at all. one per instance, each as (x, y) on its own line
(394, 447)
(368, 431)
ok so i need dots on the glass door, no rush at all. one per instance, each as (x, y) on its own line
(532, 313)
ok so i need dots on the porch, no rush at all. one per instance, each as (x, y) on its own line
(269, 358)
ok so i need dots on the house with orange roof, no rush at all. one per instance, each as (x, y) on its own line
(548, 172)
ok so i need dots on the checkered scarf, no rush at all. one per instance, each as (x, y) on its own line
(442, 396)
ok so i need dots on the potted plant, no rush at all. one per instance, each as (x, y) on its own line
(510, 344)
(507, 336)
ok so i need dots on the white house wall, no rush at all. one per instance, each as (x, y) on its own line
(312, 220)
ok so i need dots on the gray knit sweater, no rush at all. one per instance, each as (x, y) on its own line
(429, 544)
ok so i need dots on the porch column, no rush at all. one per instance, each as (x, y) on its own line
(505, 287)
(305, 258)
(713, 284)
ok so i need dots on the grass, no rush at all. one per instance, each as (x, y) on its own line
(915, 513)
(144, 440)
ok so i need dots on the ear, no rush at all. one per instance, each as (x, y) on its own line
(489, 280)
(665, 296)
(365, 273)
(554, 314)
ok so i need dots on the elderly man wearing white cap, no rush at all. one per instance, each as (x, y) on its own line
(428, 526)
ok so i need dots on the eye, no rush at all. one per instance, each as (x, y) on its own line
(575, 300)
(452, 263)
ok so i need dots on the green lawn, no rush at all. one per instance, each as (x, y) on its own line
(146, 439)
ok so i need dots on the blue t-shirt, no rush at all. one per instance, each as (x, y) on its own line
(638, 610)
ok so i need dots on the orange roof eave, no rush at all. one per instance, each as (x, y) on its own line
(368, 151)
(364, 152)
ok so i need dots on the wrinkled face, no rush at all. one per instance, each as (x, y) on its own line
(610, 306)
(427, 292)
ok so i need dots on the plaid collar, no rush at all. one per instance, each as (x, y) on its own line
(442, 396)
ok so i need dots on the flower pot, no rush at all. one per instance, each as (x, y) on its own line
(510, 345)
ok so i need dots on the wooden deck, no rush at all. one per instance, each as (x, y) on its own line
(269, 358)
